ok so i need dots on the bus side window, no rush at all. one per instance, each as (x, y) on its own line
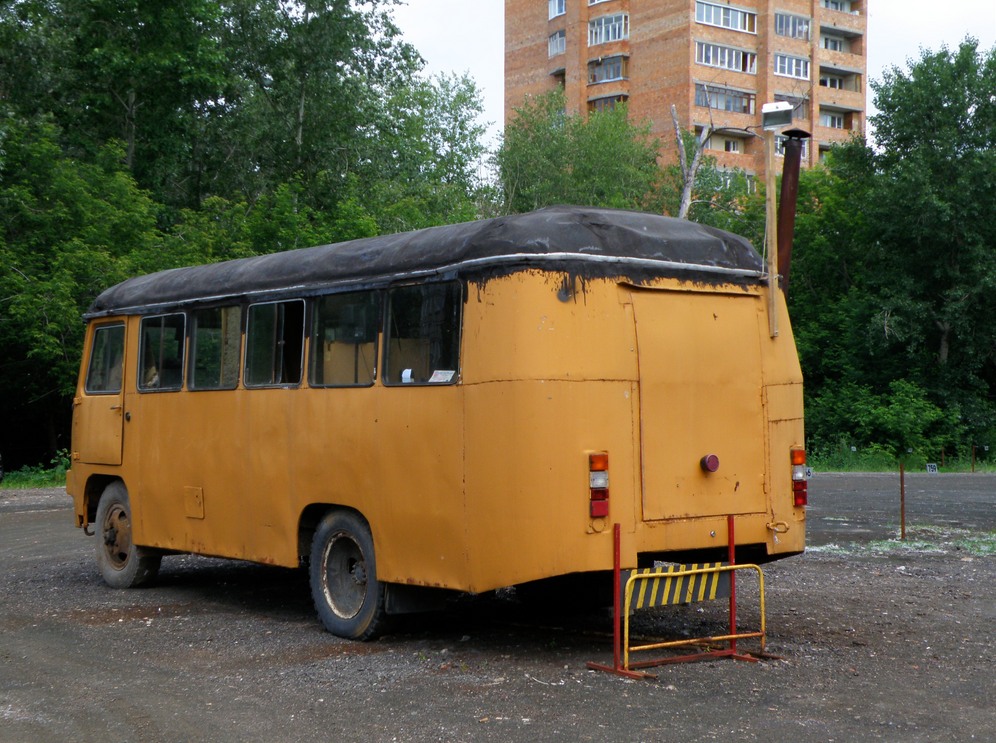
(103, 373)
(274, 344)
(344, 340)
(215, 342)
(161, 352)
(423, 334)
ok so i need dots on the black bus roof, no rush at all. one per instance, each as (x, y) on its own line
(586, 242)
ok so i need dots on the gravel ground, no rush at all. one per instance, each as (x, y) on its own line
(877, 641)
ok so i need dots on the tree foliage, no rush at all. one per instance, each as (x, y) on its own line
(551, 157)
(137, 135)
(893, 283)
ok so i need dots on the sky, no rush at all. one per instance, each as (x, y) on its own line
(458, 36)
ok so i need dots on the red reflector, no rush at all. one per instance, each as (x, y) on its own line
(709, 463)
(599, 509)
(800, 492)
(599, 493)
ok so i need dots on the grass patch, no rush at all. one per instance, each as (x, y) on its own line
(52, 476)
(921, 539)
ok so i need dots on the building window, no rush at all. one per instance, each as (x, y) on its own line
(596, 2)
(716, 55)
(832, 81)
(557, 43)
(834, 43)
(842, 5)
(731, 145)
(608, 28)
(800, 106)
(725, 99)
(557, 7)
(726, 17)
(789, 66)
(793, 26)
(607, 103)
(607, 68)
(832, 120)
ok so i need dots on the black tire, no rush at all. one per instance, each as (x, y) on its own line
(343, 573)
(122, 563)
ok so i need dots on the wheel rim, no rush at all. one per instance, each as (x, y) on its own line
(117, 536)
(345, 576)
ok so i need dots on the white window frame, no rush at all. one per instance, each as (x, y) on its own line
(725, 99)
(832, 119)
(787, 65)
(556, 8)
(725, 57)
(723, 16)
(793, 26)
(608, 28)
(844, 6)
(800, 105)
(557, 43)
(833, 43)
(731, 145)
(605, 63)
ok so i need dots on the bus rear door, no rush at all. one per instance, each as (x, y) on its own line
(700, 397)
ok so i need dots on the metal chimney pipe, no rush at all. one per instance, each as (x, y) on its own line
(787, 202)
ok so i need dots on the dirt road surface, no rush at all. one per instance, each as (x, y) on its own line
(878, 641)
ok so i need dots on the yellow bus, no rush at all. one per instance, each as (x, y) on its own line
(455, 409)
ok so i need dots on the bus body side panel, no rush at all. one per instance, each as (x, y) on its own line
(189, 474)
(411, 443)
(550, 376)
(528, 510)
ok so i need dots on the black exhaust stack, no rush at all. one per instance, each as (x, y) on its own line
(787, 201)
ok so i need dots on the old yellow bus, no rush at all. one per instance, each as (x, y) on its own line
(455, 409)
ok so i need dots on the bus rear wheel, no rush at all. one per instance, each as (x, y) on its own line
(343, 572)
(122, 563)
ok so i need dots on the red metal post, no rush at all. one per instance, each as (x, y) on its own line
(616, 599)
(731, 554)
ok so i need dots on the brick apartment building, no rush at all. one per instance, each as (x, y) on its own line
(716, 61)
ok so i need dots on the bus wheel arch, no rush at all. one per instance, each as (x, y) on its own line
(122, 563)
(343, 576)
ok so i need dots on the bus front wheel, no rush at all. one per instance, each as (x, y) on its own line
(123, 564)
(348, 597)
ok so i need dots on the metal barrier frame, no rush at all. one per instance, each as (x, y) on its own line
(621, 664)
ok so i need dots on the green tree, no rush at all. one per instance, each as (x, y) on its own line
(895, 270)
(550, 157)
(68, 230)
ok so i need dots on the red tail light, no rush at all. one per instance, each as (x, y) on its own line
(800, 486)
(598, 485)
